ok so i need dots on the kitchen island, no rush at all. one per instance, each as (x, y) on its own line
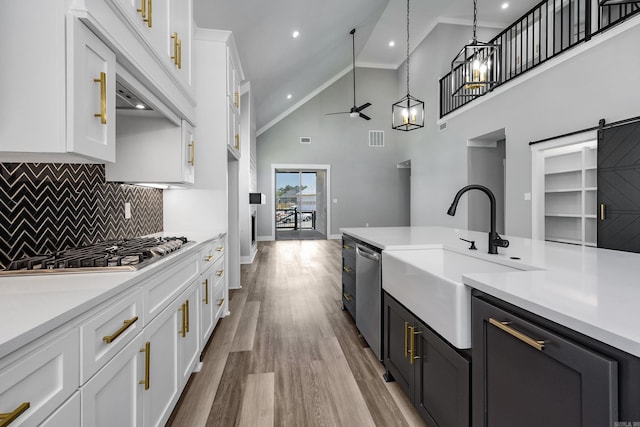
(558, 317)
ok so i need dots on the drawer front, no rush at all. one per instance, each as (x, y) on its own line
(218, 303)
(162, 288)
(211, 253)
(348, 248)
(68, 415)
(42, 380)
(109, 331)
(349, 294)
(217, 272)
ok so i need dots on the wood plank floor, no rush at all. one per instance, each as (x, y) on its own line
(288, 355)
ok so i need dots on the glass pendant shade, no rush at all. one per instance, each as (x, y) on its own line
(408, 114)
(474, 70)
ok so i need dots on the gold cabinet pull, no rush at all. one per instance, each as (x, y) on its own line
(237, 99)
(220, 302)
(412, 349)
(220, 249)
(406, 339)
(187, 315)
(174, 37)
(192, 150)
(237, 141)
(347, 296)
(179, 54)
(206, 291)
(103, 97)
(183, 331)
(127, 323)
(347, 269)
(143, 9)
(147, 364)
(9, 417)
(602, 207)
(209, 258)
(347, 247)
(149, 18)
(220, 273)
(537, 344)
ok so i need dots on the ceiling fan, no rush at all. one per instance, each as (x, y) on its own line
(355, 111)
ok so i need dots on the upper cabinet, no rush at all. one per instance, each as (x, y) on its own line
(59, 86)
(233, 98)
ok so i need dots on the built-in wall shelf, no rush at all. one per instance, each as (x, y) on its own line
(565, 191)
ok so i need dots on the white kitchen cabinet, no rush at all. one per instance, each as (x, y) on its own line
(91, 78)
(162, 388)
(181, 33)
(114, 396)
(212, 281)
(233, 108)
(67, 415)
(152, 149)
(189, 339)
(42, 117)
(35, 385)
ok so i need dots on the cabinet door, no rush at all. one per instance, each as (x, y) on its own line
(189, 341)
(619, 188)
(113, 397)
(442, 381)
(67, 415)
(398, 338)
(207, 305)
(180, 35)
(91, 79)
(528, 376)
(189, 153)
(163, 390)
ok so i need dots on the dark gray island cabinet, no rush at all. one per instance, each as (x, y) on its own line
(434, 375)
(529, 371)
(349, 275)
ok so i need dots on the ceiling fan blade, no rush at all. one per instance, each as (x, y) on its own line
(362, 107)
(364, 116)
(342, 112)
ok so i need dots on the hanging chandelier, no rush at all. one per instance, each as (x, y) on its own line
(408, 113)
(474, 71)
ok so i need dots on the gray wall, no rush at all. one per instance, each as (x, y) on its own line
(485, 166)
(364, 180)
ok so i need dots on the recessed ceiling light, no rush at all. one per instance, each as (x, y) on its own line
(392, 43)
(140, 106)
(289, 96)
(295, 34)
(505, 5)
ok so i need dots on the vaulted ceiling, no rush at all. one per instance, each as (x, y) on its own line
(278, 65)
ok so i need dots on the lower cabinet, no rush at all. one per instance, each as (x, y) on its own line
(349, 275)
(434, 375)
(189, 336)
(527, 375)
(113, 397)
(67, 415)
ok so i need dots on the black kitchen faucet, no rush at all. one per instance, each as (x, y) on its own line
(495, 240)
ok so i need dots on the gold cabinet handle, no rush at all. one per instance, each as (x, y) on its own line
(103, 97)
(206, 291)
(179, 54)
(220, 249)
(147, 364)
(347, 296)
(220, 302)
(143, 9)
(9, 417)
(183, 331)
(220, 273)
(412, 348)
(537, 344)
(127, 323)
(347, 247)
(237, 99)
(174, 37)
(237, 141)
(602, 207)
(406, 339)
(149, 18)
(192, 149)
(187, 315)
(208, 258)
(347, 269)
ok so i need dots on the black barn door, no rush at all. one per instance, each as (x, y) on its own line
(619, 187)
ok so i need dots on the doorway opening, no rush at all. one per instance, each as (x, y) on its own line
(300, 205)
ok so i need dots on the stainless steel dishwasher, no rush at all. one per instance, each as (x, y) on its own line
(368, 296)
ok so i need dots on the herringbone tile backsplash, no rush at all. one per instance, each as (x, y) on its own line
(52, 206)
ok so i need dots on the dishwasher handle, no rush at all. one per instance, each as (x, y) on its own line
(367, 253)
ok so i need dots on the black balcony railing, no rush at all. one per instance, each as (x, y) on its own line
(549, 29)
(293, 219)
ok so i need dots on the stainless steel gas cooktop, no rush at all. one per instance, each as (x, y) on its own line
(112, 255)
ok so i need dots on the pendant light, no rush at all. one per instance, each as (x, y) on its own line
(474, 70)
(408, 113)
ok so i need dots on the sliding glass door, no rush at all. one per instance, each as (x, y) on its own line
(296, 204)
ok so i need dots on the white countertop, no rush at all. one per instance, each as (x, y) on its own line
(593, 291)
(31, 306)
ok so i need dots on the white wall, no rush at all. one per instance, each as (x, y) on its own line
(364, 180)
